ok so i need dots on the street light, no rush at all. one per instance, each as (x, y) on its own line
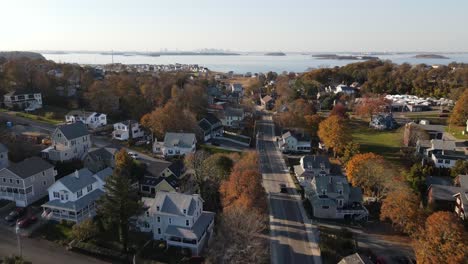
(18, 237)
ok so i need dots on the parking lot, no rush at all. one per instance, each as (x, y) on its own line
(28, 212)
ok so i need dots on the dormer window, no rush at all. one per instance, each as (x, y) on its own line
(324, 191)
(340, 191)
(187, 223)
(185, 211)
(157, 208)
(79, 193)
(147, 213)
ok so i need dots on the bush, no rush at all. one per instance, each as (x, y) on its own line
(94, 250)
(14, 260)
(84, 230)
(50, 115)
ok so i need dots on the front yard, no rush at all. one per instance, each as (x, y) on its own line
(336, 244)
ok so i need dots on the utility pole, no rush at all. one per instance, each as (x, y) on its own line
(18, 237)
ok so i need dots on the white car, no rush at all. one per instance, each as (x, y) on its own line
(133, 155)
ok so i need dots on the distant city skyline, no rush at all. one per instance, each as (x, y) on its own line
(238, 26)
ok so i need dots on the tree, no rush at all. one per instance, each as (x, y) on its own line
(416, 176)
(460, 167)
(15, 260)
(101, 98)
(443, 240)
(195, 162)
(370, 172)
(84, 230)
(312, 123)
(333, 132)
(369, 106)
(351, 149)
(459, 114)
(401, 207)
(339, 110)
(120, 201)
(239, 238)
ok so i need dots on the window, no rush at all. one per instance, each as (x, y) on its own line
(56, 195)
(29, 189)
(43, 173)
(159, 230)
(147, 213)
(325, 207)
(157, 208)
(79, 193)
(159, 219)
(17, 182)
(185, 211)
(187, 222)
(90, 187)
(447, 161)
(11, 180)
(170, 221)
(4, 180)
(44, 183)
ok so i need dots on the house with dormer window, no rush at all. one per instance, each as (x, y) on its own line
(176, 144)
(310, 166)
(178, 219)
(73, 197)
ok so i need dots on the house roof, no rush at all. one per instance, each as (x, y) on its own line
(450, 155)
(443, 144)
(153, 181)
(267, 98)
(443, 192)
(103, 174)
(184, 140)
(430, 180)
(197, 229)
(22, 91)
(355, 258)
(204, 125)
(239, 112)
(72, 131)
(462, 181)
(315, 161)
(78, 204)
(29, 167)
(177, 168)
(3, 148)
(212, 119)
(79, 113)
(296, 135)
(104, 153)
(156, 167)
(74, 183)
(175, 203)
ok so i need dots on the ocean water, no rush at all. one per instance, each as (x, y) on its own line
(245, 62)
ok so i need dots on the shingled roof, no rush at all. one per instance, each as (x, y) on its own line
(29, 167)
(75, 130)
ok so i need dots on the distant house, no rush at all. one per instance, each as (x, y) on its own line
(461, 197)
(98, 159)
(23, 99)
(267, 102)
(178, 219)
(311, 166)
(3, 156)
(176, 144)
(233, 117)
(211, 126)
(92, 120)
(332, 197)
(342, 88)
(237, 88)
(160, 176)
(122, 130)
(27, 181)
(73, 197)
(293, 141)
(69, 142)
(383, 122)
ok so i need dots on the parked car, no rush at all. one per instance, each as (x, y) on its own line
(27, 221)
(133, 155)
(15, 214)
(283, 188)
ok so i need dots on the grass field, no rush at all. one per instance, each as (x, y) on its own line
(385, 143)
(457, 132)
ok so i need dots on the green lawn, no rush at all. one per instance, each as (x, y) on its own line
(39, 118)
(456, 131)
(385, 143)
(53, 231)
(213, 150)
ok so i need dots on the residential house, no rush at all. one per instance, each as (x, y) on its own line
(73, 197)
(178, 219)
(311, 166)
(23, 99)
(233, 117)
(447, 158)
(461, 197)
(27, 181)
(122, 130)
(440, 193)
(355, 258)
(341, 88)
(333, 197)
(98, 159)
(383, 122)
(267, 102)
(160, 176)
(71, 141)
(237, 88)
(414, 131)
(3, 156)
(293, 141)
(92, 120)
(176, 144)
(212, 127)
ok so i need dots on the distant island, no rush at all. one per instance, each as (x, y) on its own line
(275, 54)
(430, 56)
(343, 57)
(13, 55)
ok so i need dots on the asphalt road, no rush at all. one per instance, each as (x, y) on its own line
(291, 239)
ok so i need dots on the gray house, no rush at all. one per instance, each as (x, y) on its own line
(3, 156)
(98, 159)
(69, 142)
(27, 181)
(311, 166)
(293, 141)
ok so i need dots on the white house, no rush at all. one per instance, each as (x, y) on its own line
(28, 100)
(3, 156)
(178, 219)
(311, 166)
(176, 144)
(73, 197)
(447, 158)
(292, 141)
(122, 130)
(91, 119)
(27, 181)
(342, 88)
(69, 142)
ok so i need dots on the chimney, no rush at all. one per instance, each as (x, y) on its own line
(77, 175)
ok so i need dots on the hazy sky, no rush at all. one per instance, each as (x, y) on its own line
(241, 25)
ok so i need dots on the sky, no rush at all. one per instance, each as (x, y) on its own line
(237, 25)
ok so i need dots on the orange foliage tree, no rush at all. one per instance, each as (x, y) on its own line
(369, 106)
(459, 115)
(443, 240)
(333, 132)
(401, 207)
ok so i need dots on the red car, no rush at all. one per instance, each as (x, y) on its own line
(25, 222)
